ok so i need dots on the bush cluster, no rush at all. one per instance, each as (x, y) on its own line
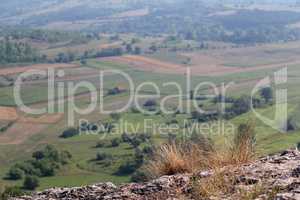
(43, 163)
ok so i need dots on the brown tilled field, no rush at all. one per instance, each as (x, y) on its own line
(201, 65)
(8, 114)
(148, 64)
(19, 132)
(23, 126)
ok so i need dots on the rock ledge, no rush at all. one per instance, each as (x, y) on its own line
(280, 170)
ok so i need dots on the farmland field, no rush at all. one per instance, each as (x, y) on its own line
(83, 146)
(144, 50)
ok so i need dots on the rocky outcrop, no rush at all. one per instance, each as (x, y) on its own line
(278, 174)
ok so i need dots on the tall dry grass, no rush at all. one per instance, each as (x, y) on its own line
(190, 156)
(222, 162)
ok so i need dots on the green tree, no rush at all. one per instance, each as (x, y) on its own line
(267, 94)
(129, 48)
(137, 50)
(70, 132)
(153, 48)
(15, 173)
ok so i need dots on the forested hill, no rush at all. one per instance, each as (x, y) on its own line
(29, 11)
(197, 20)
(43, 12)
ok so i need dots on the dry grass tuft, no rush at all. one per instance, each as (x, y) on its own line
(169, 159)
(191, 157)
(243, 149)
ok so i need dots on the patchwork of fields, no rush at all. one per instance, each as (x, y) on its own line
(30, 133)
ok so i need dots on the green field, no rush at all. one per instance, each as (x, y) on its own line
(83, 168)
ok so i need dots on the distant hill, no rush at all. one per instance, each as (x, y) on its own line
(91, 13)
(41, 12)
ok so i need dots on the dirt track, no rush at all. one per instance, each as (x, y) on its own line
(44, 119)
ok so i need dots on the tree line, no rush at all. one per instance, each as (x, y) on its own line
(49, 36)
(14, 52)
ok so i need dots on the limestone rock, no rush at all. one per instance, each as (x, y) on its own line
(279, 175)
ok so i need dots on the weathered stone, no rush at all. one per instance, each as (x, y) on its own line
(279, 173)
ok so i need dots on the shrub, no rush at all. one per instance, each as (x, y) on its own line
(10, 192)
(148, 150)
(115, 142)
(46, 167)
(31, 182)
(125, 137)
(115, 116)
(150, 103)
(92, 127)
(107, 162)
(101, 144)
(28, 168)
(45, 163)
(135, 141)
(15, 173)
(291, 125)
(201, 117)
(128, 168)
(267, 94)
(83, 62)
(114, 91)
(38, 155)
(139, 176)
(51, 153)
(298, 146)
(65, 157)
(135, 110)
(239, 106)
(71, 132)
(138, 157)
(103, 156)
